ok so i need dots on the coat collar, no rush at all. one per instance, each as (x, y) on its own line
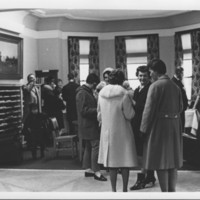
(163, 77)
(85, 87)
(111, 91)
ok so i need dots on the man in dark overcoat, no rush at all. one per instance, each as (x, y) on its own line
(177, 78)
(161, 127)
(69, 96)
(88, 127)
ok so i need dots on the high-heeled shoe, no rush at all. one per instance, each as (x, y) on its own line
(150, 180)
(142, 182)
(139, 183)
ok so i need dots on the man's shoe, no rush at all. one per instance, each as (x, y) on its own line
(89, 174)
(101, 178)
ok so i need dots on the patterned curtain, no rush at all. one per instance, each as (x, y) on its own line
(152, 47)
(195, 37)
(94, 56)
(73, 48)
(120, 54)
(178, 49)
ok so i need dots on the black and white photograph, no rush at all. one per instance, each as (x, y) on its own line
(99, 99)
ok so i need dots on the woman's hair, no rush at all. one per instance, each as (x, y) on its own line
(49, 79)
(179, 70)
(100, 86)
(116, 77)
(142, 69)
(70, 76)
(158, 66)
(108, 70)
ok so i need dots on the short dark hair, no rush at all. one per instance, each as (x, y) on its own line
(179, 70)
(116, 77)
(59, 80)
(92, 78)
(142, 69)
(49, 79)
(70, 76)
(28, 77)
(158, 66)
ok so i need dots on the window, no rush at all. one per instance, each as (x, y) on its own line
(187, 63)
(136, 51)
(84, 49)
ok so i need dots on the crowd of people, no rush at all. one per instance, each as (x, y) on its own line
(119, 125)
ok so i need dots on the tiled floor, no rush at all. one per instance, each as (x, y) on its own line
(21, 180)
(32, 179)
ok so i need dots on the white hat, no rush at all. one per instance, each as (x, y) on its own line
(108, 69)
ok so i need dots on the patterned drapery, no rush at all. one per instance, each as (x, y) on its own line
(94, 56)
(178, 49)
(195, 37)
(120, 54)
(152, 47)
(73, 52)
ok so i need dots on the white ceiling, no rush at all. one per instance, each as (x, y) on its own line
(103, 14)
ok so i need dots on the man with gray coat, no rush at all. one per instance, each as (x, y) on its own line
(161, 127)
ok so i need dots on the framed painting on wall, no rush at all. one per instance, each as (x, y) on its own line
(11, 57)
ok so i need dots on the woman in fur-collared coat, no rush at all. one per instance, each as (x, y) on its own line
(117, 144)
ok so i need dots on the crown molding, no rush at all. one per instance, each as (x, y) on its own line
(102, 36)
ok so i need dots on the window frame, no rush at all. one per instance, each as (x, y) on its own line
(187, 51)
(136, 55)
(80, 56)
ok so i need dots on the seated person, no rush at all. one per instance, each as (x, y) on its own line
(34, 130)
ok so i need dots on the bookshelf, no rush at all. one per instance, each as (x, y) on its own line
(10, 123)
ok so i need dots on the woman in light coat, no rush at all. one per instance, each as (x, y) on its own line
(117, 144)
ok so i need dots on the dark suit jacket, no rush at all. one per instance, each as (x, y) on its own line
(184, 98)
(30, 95)
(140, 98)
(69, 96)
(87, 114)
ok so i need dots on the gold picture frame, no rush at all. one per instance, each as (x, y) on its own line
(11, 57)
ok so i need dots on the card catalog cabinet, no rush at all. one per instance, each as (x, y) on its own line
(10, 123)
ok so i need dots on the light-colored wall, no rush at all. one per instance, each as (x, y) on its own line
(68, 25)
(14, 21)
(53, 54)
(30, 57)
(64, 59)
(167, 52)
(49, 53)
(106, 55)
